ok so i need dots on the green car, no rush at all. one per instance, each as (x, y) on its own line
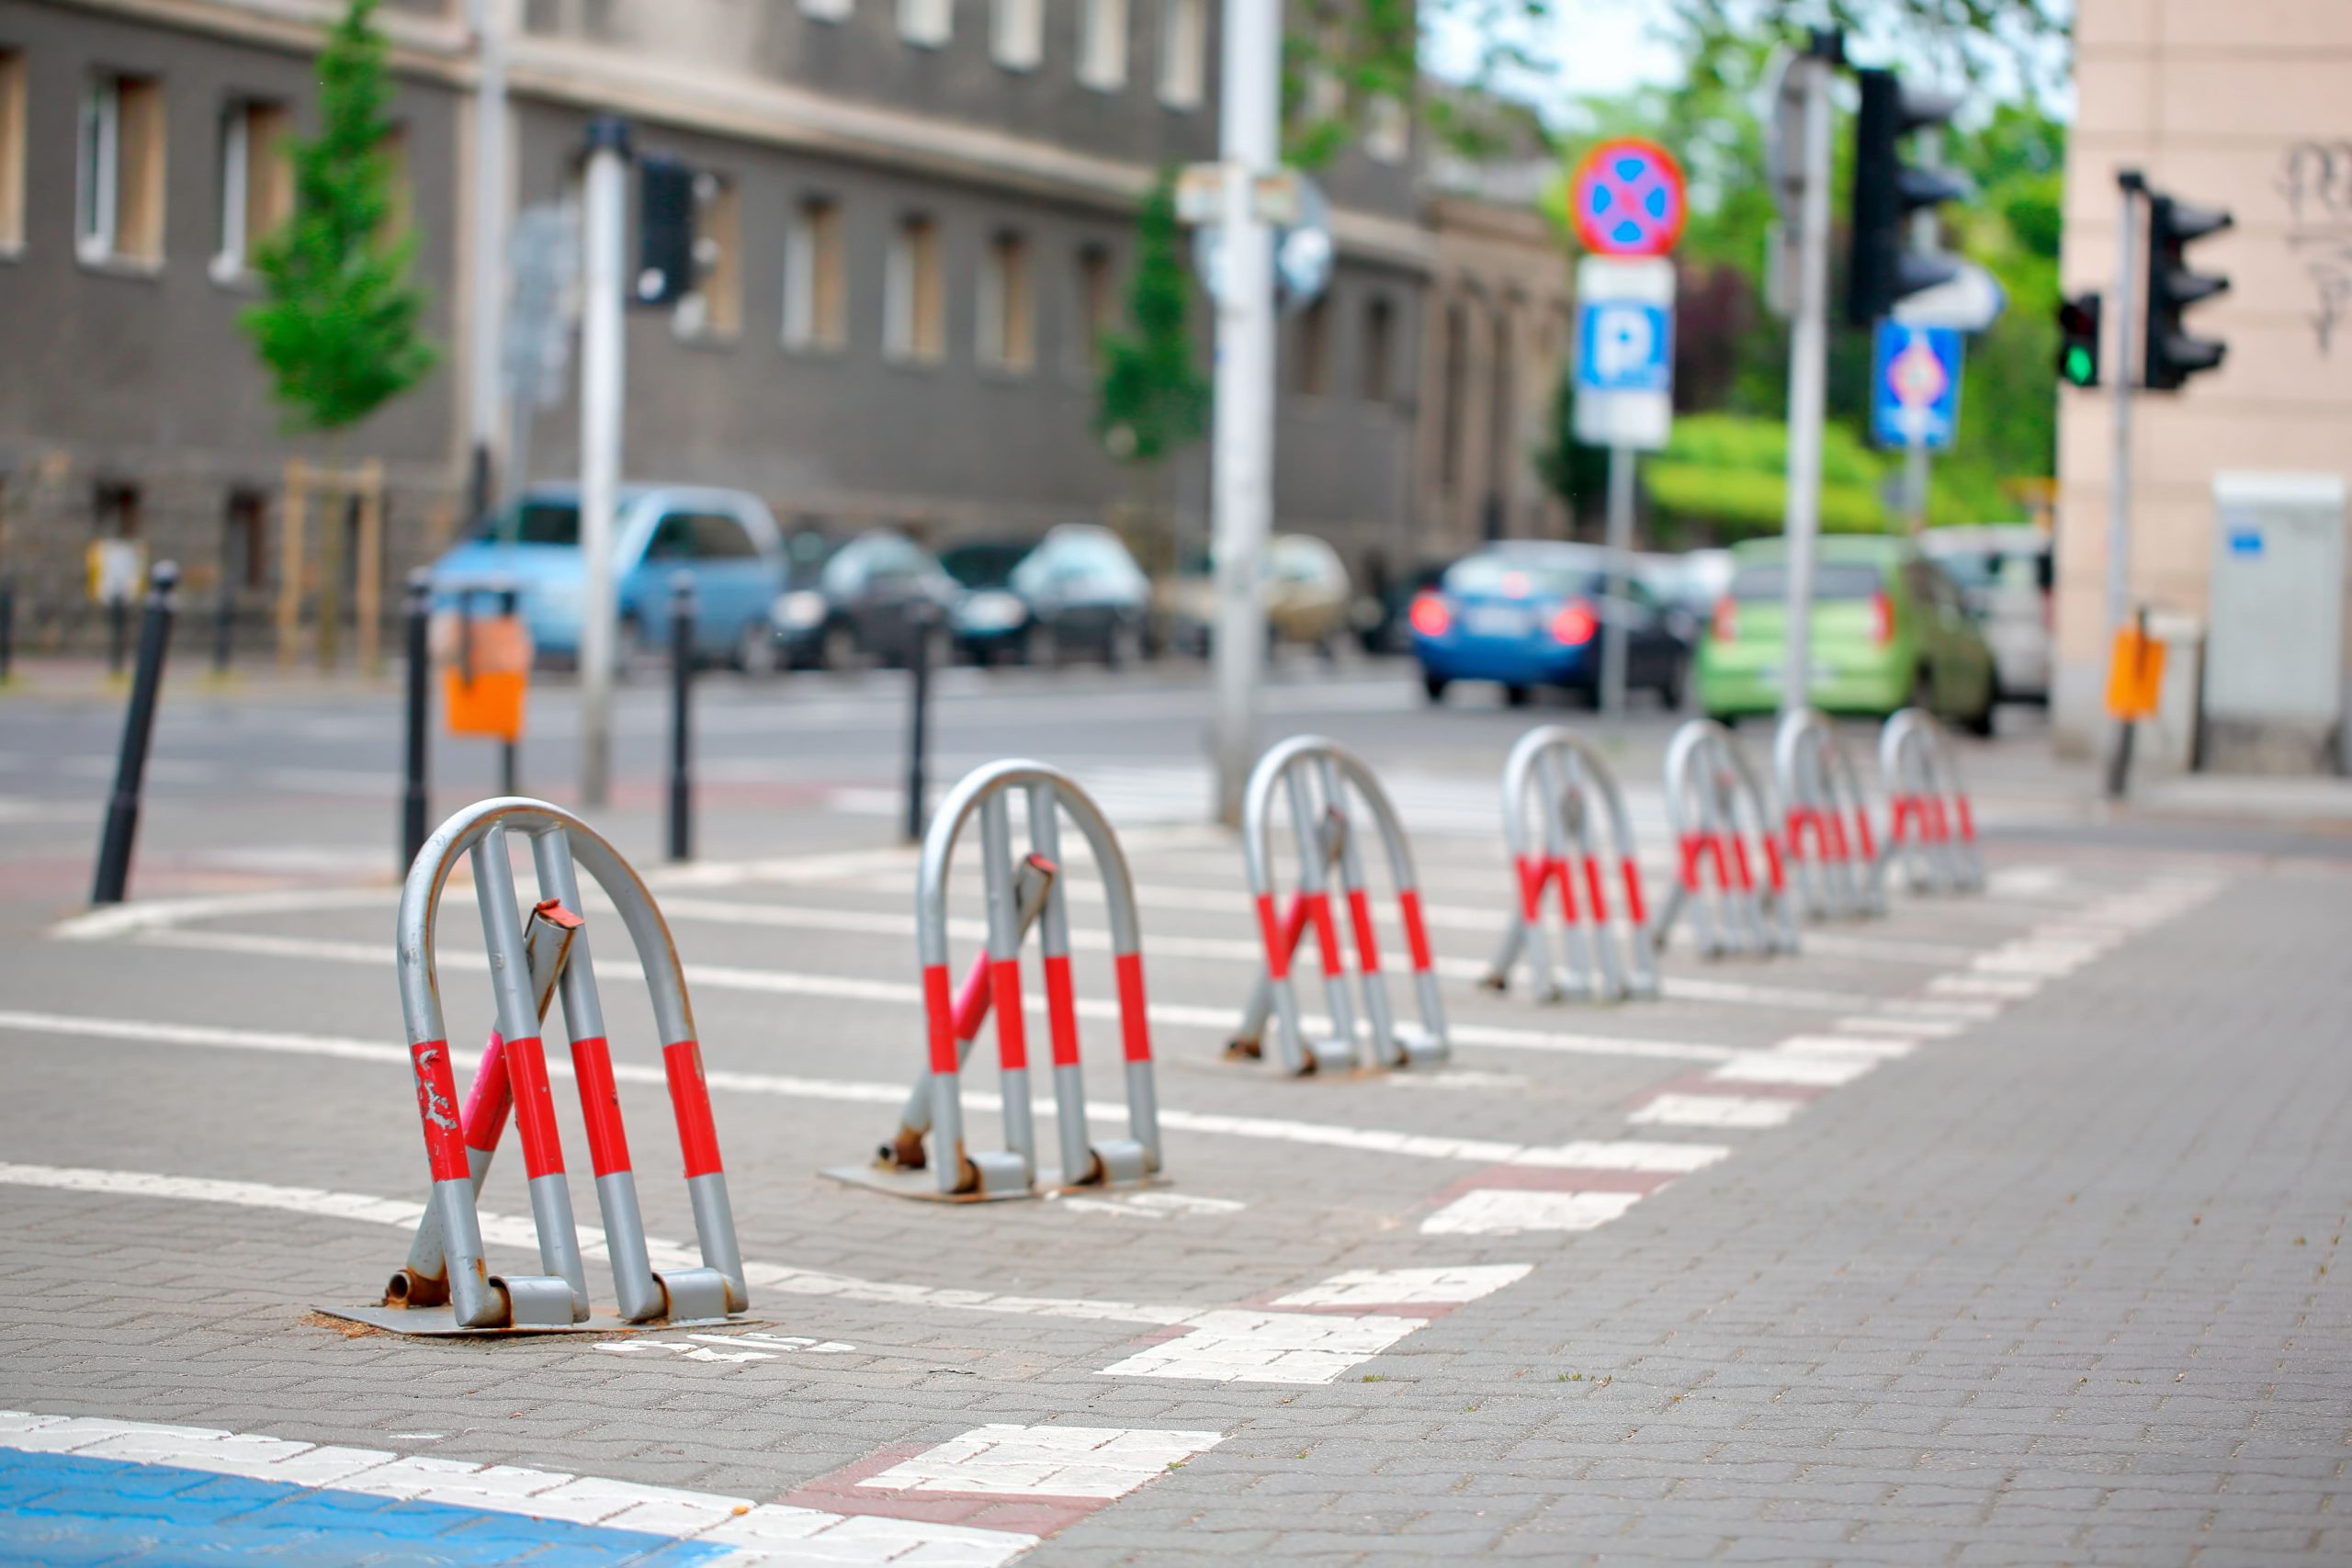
(1890, 630)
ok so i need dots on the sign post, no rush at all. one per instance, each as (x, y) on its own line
(1628, 200)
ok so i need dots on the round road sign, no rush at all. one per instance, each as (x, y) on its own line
(1627, 198)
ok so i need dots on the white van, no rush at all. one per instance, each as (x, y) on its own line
(2004, 572)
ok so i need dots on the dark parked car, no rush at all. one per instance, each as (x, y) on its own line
(1084, 591)
(991, 622)
(856, 606)
(1529, 614)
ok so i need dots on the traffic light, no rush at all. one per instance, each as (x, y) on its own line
(1882, 267)
(2173, 357)
(665, 232)
(2078, 320)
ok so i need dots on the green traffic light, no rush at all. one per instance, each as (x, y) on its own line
(2082, 365)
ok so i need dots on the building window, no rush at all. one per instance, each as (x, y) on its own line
(715, 308)
(1387, 129)
(257, 184)
(930, 23)
(1098, 308)
(1379, 363)
(1008, 330)
(121, 211)
(914, 326)
(1312, 375)
(816, 291)
(1102, 44)
(1183, 51)
(12, 149)
(826, 10)
(1017, 34)
(244, 553)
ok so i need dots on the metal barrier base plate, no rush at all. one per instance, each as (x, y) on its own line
(922, 1185)
(441, 1322)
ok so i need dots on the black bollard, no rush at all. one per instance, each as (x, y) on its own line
(510, 600)
(682, 678)
(7, 626)
(117, 634)
(923, 617)
(138, 730)
(419, 610)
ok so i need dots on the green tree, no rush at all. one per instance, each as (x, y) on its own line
(1151, 399)
(339, 325)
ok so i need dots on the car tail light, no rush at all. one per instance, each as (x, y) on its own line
(1881, 618)
(1576, 623)
(1429, 616)
(1725, 625)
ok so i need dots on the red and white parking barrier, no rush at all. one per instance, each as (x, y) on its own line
(1832, 853)
(1562, 784)
(1319, 775)
(1021, 894)
(1730, 876)
(445, 1285)
(1930, 831)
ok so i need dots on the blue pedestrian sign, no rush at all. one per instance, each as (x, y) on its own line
(1915, 386)
(1624, 346)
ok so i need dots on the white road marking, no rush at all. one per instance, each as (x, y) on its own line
(1045, 1462)
(1982, 986)
(1846, 1046)
(1509, 1210)
(1793, 1067)
(1241, 1346)
(1919, 1028)
(1324, 1134)
(1723, 1110)
(1406, 1287)
(758, 1532)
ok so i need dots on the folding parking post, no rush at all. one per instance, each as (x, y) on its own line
(1563, 785)
(1718, 806)
(447, 1265)
(1318, 777)
(1929, 827)
(1832, 853)
(1019, 894)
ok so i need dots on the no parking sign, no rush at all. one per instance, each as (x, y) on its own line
(1628, 203)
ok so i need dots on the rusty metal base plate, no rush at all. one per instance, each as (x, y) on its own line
(441, 1322)
(924, 1185)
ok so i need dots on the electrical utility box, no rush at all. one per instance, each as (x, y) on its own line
(2274, 653)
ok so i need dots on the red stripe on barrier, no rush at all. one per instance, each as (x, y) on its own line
(600, 1106)
(1134, 1024)
(1967, 818)
(1367, 941)
(1739, 859)
(1862, 833)
(1061, 1011)
(526, 1064)
(1633, 906)
(1773, 871)
(1715, 854)
(1011, 1027)
(1416, 935)
(490, 1099)
(1277, 950)
(1326, 931)
(1796, 823)
(1567, 891)
(690, 1101)
(1530, 888)
(437, 1109)
(1594, 891)
(1939, 819)
(1690, 843)
(1833, 827)
(943, 1014)
(972, 1004)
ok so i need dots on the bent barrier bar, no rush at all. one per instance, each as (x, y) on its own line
(1019, 894)
(527, 967)
(1317, 774)
(1833, 857)
(1930, 831)
(1719, 808)
(1562, 783)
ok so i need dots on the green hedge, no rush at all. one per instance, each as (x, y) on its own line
(1722, 476)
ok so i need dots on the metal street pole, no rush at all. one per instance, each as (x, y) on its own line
(1916, 475)
(601, 377)
(1620, 541)
(488, 263)
(1808, 385)
(1243, 460)
(2130, 186)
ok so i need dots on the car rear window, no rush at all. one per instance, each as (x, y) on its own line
(534, 523)
(1831, 580)
(1522, 576)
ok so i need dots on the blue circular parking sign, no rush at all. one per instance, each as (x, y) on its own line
(1627, 198)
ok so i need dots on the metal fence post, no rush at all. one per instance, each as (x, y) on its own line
(138, 730)
(682, 676)
(419, 611)
(921, 618)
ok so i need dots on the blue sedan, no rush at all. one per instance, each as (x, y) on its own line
(1530, 614)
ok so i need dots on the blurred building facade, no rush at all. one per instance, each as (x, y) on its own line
(2244, 105)
(919, 215)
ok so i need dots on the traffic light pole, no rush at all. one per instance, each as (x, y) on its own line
(1243, 459)
(606, 189)
(487, 269)
(1620, 544)
(2131, 186)
(1808, 385)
